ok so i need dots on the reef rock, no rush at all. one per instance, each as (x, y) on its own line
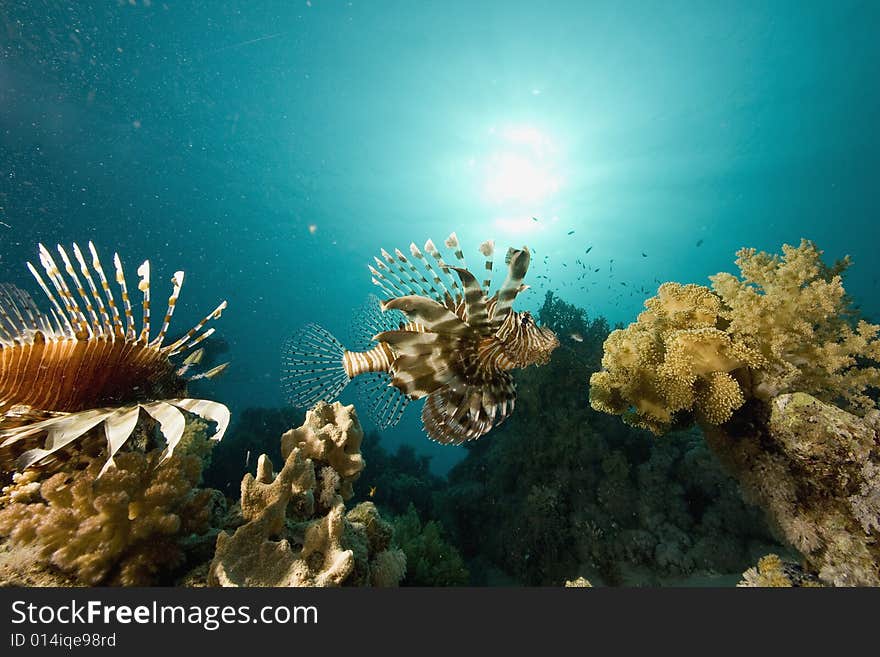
(293, 538)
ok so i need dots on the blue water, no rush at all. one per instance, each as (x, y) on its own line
(269, 149)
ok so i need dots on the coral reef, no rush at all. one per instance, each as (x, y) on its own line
(784, 325)
(776, 368)
(290, 536)
(127, 527)
(394, 481)
(813, 467)
(430, 559)
(568, 490)
(773, 572)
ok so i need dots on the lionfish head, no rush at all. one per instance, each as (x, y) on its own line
(529, 344)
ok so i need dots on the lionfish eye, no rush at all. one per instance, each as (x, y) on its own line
(525, 320)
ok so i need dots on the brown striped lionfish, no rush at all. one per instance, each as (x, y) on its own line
(77, 367)
(435, 337)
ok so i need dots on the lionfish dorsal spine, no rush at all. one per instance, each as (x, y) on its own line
(487, 248)
(382, 281)
(176, 285)
(104, 327)
(186, 341)
(144, 286)
(516, 272)
(118, 331)
(65, 326)
(57, 280)
(438, 281)
(95, 327)
(476, 314)
(406, 279)
(126, 300)
(435, 253)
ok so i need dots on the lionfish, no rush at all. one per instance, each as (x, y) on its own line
(78, 367)
(437, 337)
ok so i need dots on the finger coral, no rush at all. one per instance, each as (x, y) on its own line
(297, 535)
(122, 528)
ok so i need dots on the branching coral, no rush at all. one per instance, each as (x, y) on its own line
(783, 325)
(289, 537)
(431, 560)
(125, 527)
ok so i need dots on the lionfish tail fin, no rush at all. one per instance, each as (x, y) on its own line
(312, 367)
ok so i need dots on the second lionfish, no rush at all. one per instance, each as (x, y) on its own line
(437, 336)
(79, 367)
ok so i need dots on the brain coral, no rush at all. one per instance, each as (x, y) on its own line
(783, 325)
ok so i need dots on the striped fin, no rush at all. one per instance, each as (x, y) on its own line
(455, 414)
(516, 272)
(144, 286)
(312, 367)
(384, 282)
(383, 402)
(487, 248)
(452, 243)
(435, 253)
(95, 323)
(178, 346)
(59, 314)
(212, 373)
(106, 325)
(54, 274)
(19, 318)
(126, 301)
(427, 288)
(60, 431)
(435, 276)
(406, 280)
(118, 331)
(423, 362)
(477, 317)
(118, 426)
(171, 424)
(208, 410)
(176, 285)
(432, 315)
(369, 320)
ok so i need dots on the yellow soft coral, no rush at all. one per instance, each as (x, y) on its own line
(783, 325)
(675, 358)
(794, 311)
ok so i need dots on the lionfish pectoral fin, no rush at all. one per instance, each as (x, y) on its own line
(455, 414)
(313, 367)
(118, 426)
(430, 314)
(60, 431)
(171, 424)
(207, 410)
(383, 401)
(475, 302)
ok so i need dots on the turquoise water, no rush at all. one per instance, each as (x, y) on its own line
(270, 149)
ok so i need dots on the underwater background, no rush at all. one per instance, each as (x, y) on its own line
(270, 149)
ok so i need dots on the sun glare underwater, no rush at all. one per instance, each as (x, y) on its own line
(444, 293)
